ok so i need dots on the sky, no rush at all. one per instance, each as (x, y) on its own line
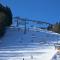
(43, 10)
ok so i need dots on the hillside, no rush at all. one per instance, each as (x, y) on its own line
(17, 45)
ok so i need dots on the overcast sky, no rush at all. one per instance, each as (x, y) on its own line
(44, 10)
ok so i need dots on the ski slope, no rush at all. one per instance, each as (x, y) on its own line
(35, 44)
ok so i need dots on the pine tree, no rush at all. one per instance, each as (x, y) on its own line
(5, 19)
(56, 27)
(49, 27)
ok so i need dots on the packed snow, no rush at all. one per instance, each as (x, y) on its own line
(34, 45)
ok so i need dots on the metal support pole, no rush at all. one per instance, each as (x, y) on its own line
(25, 28)
(17, 23)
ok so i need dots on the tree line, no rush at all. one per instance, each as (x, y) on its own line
(55, 27)
(5, 19)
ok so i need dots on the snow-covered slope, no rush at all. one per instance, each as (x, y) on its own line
(34, 42)
(15, 37)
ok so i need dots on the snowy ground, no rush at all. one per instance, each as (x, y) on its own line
(34, 45)
(28, 54)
